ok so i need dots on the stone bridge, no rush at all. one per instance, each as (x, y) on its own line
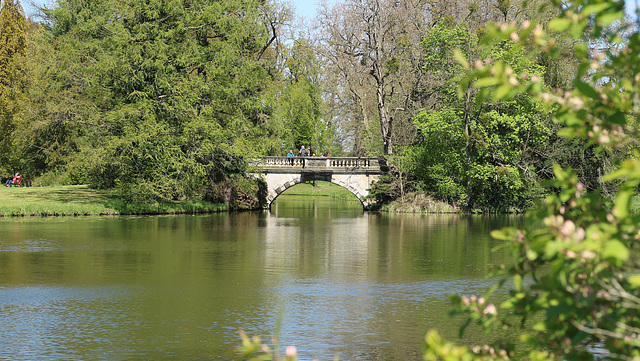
(353, 173)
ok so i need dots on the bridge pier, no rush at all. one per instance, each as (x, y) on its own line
(354, 174)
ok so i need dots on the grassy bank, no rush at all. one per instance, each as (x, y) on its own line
(81, 200)
(419, 203)
(422, 203)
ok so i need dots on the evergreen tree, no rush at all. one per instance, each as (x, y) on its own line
(299, 103)
(161, 99)
(13, 44)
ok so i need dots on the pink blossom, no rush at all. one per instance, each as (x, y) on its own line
(490, 309)
(291, 352)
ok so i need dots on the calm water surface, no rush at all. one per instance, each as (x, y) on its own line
(362, 286)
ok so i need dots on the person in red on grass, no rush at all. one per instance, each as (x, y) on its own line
(15, 181)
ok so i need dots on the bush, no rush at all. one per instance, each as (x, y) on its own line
(574, 282)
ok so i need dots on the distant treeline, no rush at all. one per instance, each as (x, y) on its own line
(168, 100)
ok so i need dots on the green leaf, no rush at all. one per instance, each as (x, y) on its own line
(567, 133)
(595, 8)
(464, 327)
(634, 280)
(485, 82)
(617, 118)
(615, 249)
(517, 282)
(623, 201)
(461, 58)
(587, 90)
(504, 234)
(608, 18)
(540, 326)
(504, 92)
(560, 24)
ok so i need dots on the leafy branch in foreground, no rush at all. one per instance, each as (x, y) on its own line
(253, 349)
(575, 283)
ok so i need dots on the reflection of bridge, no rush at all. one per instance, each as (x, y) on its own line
(353, 173)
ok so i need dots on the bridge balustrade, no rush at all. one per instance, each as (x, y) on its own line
(349, 162)
(356, 174)
(281, 161)
(312, 162)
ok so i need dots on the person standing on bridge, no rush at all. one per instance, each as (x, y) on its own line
(290, 155)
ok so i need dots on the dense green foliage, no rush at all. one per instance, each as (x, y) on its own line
(478, 154)
(299, 103)
(169, 99)
(160, 100)
(574, 283)
(13, 46)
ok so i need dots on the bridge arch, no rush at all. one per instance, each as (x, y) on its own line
(281, 188)
(354, 174)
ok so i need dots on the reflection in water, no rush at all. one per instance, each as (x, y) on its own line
(359, 285)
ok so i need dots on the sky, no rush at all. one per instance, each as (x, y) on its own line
(306, 8)
(28, 9)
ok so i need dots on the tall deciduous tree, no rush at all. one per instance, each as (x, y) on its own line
(373, 45)
(469, 148)
(13, 45)
(299, 102)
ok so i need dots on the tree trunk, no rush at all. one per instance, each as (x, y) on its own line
(386, 123)
(467, 147)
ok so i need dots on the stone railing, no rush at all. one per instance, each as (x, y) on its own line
(318, 162)
(280, 161)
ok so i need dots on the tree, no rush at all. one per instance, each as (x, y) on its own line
(574, 277)
(13, 40)
(13, 44)
(372, 45)
(160, 100)
(468, 148)
(299, 104)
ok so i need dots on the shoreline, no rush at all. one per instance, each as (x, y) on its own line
(80, 200)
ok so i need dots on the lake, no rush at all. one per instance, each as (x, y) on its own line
(319, 272)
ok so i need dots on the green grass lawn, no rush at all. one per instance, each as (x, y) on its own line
(322, 189)
(81, 200)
